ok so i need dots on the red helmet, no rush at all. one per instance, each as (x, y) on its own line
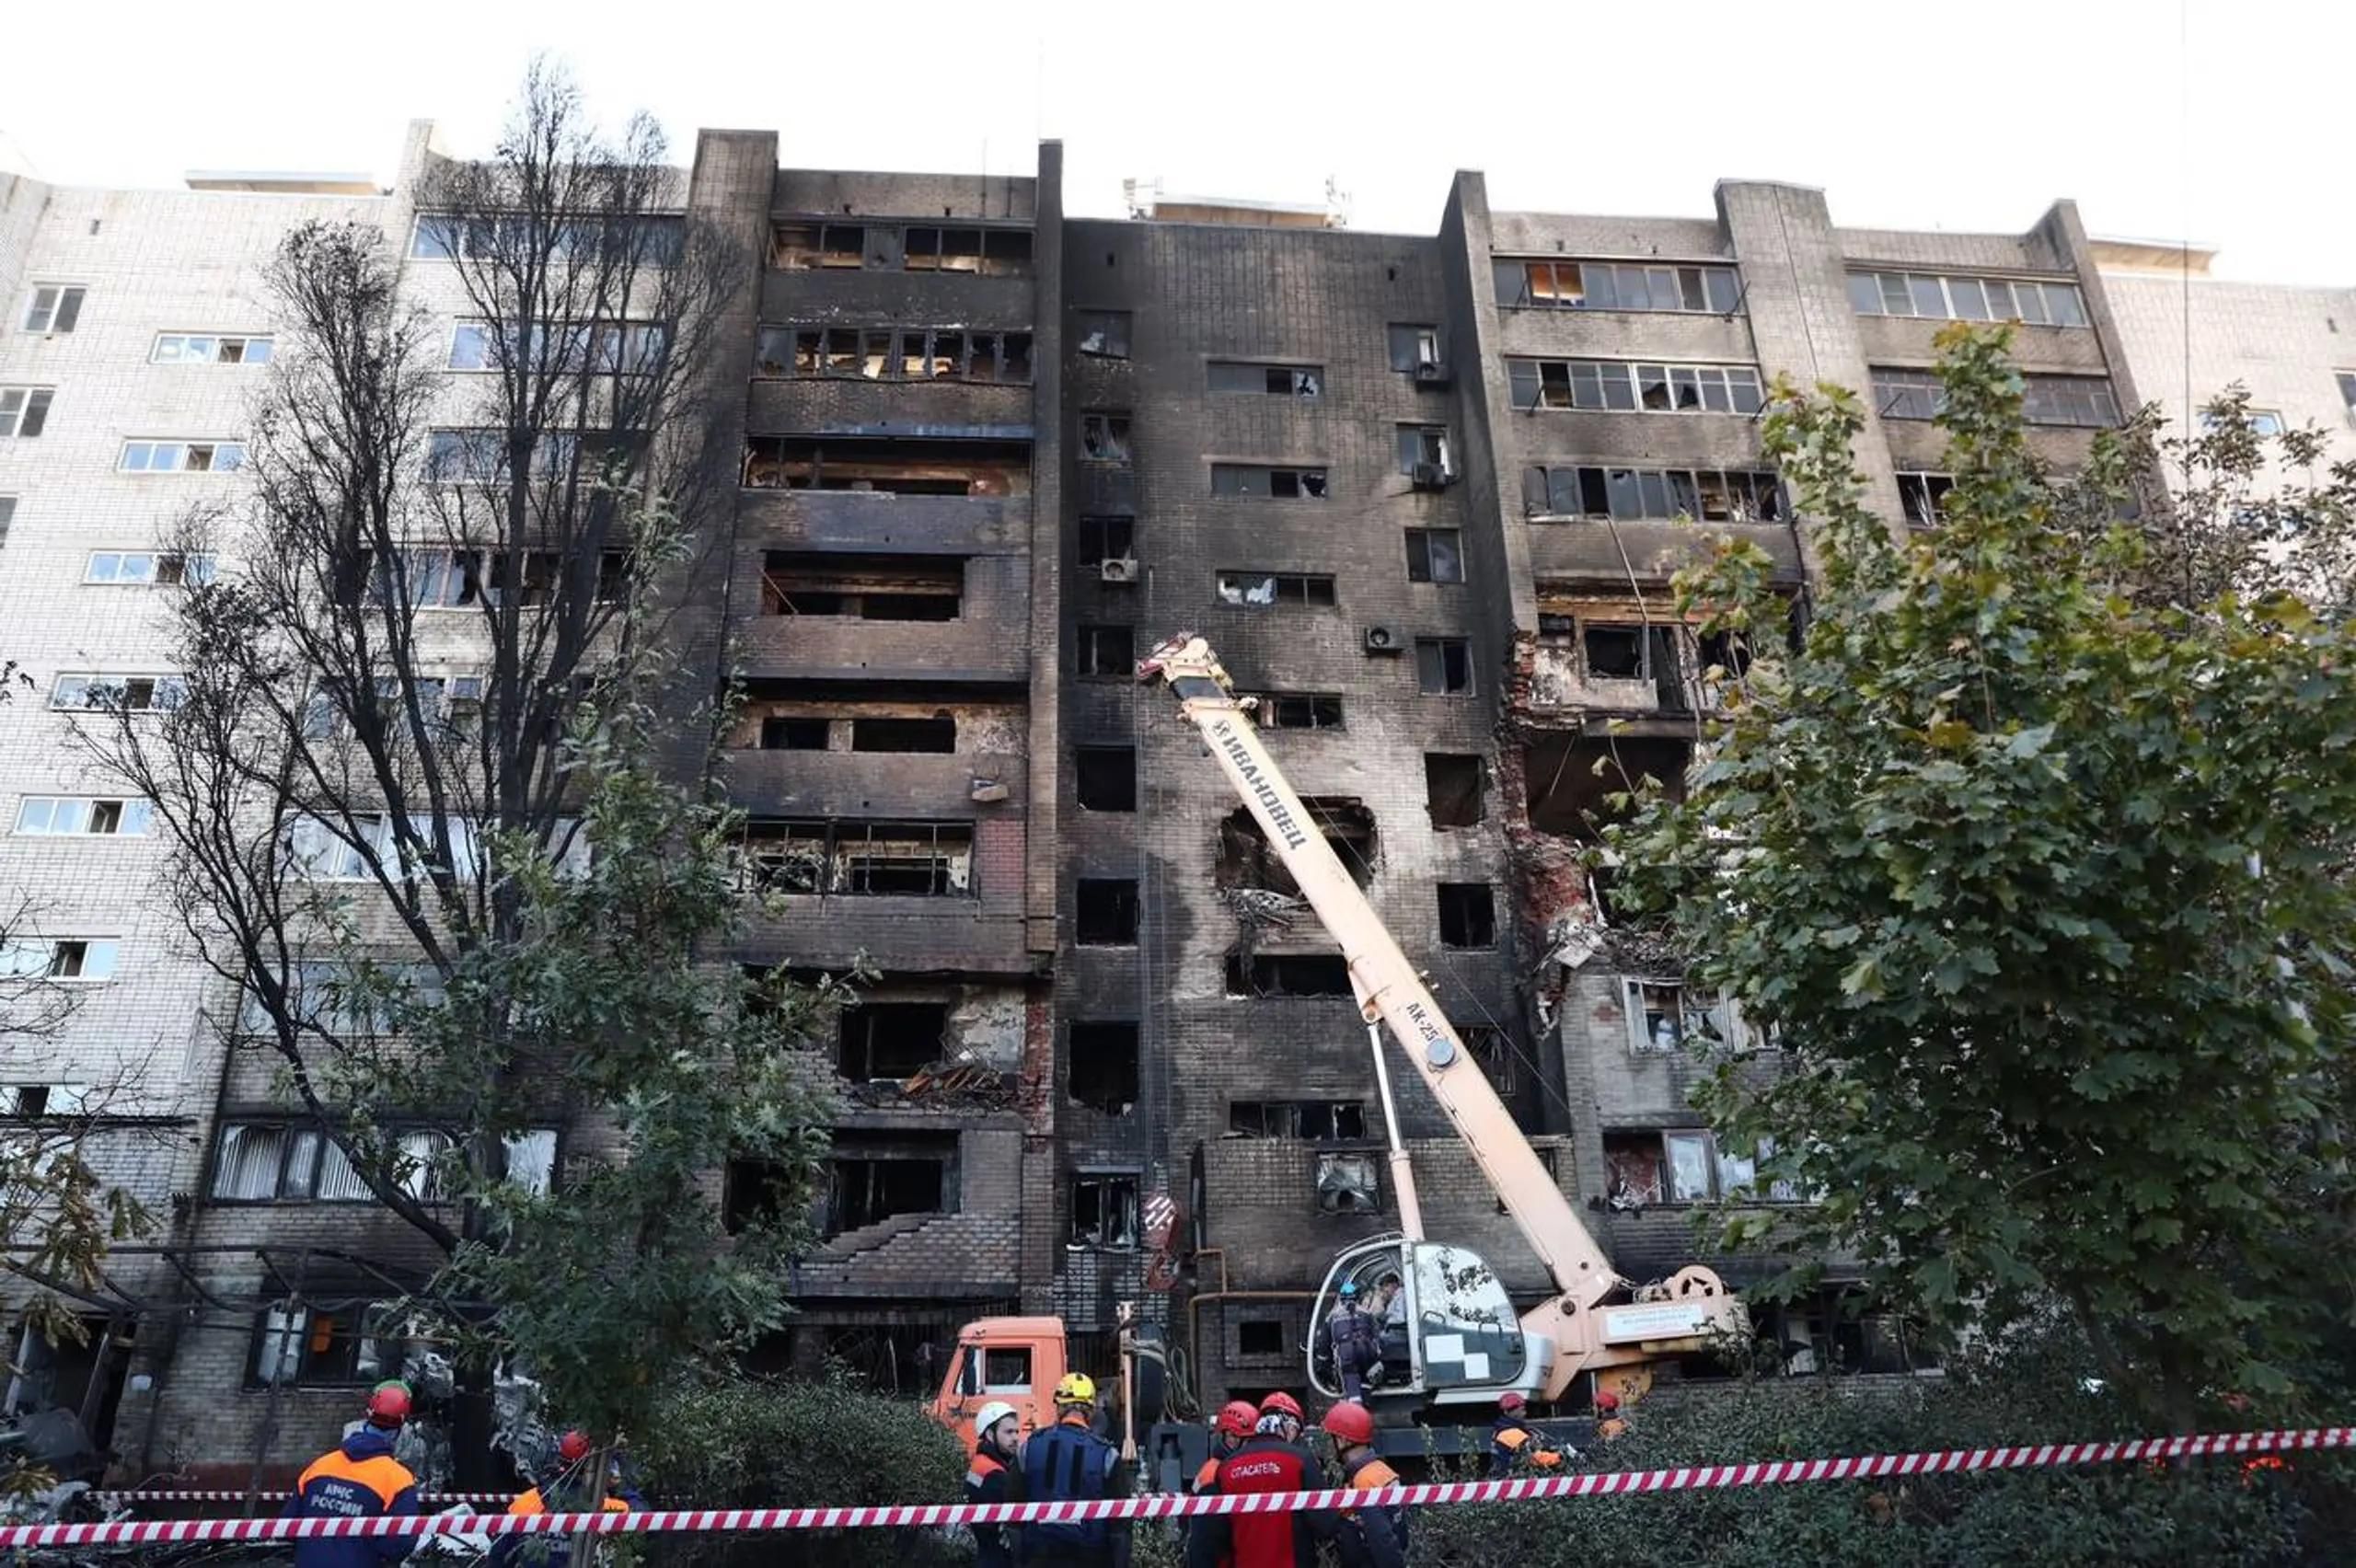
(1237, 1418)
(1349, 1422)
(1281, 1403)
(389, 1404)
(573, 1446)
(1606, 1399)
(1510, 1401)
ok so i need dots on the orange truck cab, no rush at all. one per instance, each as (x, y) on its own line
(1018, 1360)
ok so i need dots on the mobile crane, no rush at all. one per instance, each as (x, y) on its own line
(1465, 1343)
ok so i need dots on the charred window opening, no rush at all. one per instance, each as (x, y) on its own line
(936, 735)
(1104, 1067)
(1104, 438)
(888, 464)
(864, 587)
(894, 354)
(990, 252)
(1347, 1183)
(1710, 495)
(1245, 860)
(1468, 916)
(924, 859)
(1453, 790)
(1299, 710)
(1274, 380)
(1614, 652)
(1105, 1211)
(1571, 778)
(1257, 480)
(795, 247)
(1318, 1120)
(1413, 347)
(1492, 1048)
(1107, 538)
(1102, 334)
(754, 1192)
(889, 1039)
(872, 1178)
(1288, 975)
(1107, 778)
(1443, 666)
(1260, 1338)
(1924, 497)
(778, 733)
(1105, 912)
(1260, 590)
(1107, 651)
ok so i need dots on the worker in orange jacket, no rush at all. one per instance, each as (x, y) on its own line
(566, 1492)
(1378, 1532)
(1515, 1444)
(359, 1478)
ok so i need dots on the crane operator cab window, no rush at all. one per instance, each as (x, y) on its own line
(1460, 1330)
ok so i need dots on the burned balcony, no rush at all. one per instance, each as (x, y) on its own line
(908, 859)
(862, 587)
(888, 465)
(1616, 657)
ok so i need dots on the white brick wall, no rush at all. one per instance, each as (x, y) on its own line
(2283, 343)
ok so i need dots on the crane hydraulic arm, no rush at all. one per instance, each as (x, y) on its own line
(1585, 1329)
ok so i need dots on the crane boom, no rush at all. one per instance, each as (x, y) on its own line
(1389, 989)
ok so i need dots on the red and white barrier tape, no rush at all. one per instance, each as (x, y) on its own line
(479, 1499)
(1171, 1507)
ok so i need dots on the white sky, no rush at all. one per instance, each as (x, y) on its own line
(2212, 118)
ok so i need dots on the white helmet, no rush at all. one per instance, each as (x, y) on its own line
(989, 1415)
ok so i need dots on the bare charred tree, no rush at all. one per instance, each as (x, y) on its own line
(439, 647)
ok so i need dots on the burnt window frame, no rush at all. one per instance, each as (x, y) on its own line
(1088, 648)
(1301, 590)
(1419, 542)
(1441, 647)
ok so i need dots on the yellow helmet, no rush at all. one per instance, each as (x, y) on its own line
(1076, 1388)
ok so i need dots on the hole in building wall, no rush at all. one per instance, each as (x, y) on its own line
(753, 1191)
(1246, 861)
(794, 734)
(1105, 1211)
(1570, 778)
(1104, 1067)
(1105, 912)
(1288, 975)
(938, 733)
(1452, 789)
(1317, 1120)
(1107, 778)
(862, 587)
(889, 1039)
(872, 1177)
(1468, 916)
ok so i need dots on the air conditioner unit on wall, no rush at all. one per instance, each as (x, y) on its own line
(1382, 639)
(1430, 475)
(1429, 372)
(1118, 568)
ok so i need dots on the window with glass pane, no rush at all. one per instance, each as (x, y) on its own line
(1688, 1167)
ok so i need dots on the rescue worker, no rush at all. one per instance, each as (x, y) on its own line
(1269, 1460)
(1514, 1444)
(1609, 1421)
(1381, 1530)
(566, 1492)
(1068, 1463)
(359, 1478)
(1355, 1339)
(1391, 1323)
(1233, 1424)
(989, 1477)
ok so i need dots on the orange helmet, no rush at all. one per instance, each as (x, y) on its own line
(1511, 1400)
(1237, 1418)
(388, 1404)
(1281, 1403)
(1607, 1400)
(1349, 1422)
(573, 1446)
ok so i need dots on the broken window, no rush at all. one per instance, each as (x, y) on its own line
(1107, 778)
(1468, 916)
(1104, 1073)
(1424, 453)
(1104, 912)
(889, 1039)
(1107, 651)
(1274, 380)
(862, 587)
(1317, 1120)
(1923, 496)
(1254, 479)
(1660, 1020)
(354, 1345)
(1452, 789)
(1105, 1211)
(1245, 860)
(53, 308)
(1104, 438)
(923, 860)
(1259, 1338)
(1490, 1049)
(1299, 710)
(811, 246)
(887, 465)
(1443, 666)
(778, 733)
(1710, 495)
(1571, 777)
(1288, 975)
(1105, 334)
(901, 353)
(1346, 1184)
(1435, 555)
(1617, 386)
(1617, 286)
(936, 735)
(1413, 347)
(1633, 1170)
(873, 1179)
(1259, 590)
(1614, 652)
(755, 1192)
(991, 252)
(1107, 538)
(24, 411)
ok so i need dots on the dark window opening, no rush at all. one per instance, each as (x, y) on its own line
(1491, 1049)
(1413, 347)
(754, 1192)
(1245, 860)
(1571, 779)
(1104, 438)
(1435, 555)
(1452, 789)
(862, 587)
(863, 1191)
(1107, 651)
(1259, 1337)
(990, 252)
(936, 735)
(1274, 380)
(1104, 1067)
(1105, 912)
(888, 464)
(1924, 497)
(812, 247)
(1260, 590)
(889, 1039)
(1105, 1211)
(1318, 1120)
(1282, 484)
(1468, 916)
(794, 734)
(1288, 975)
(926, 860)
(1443, 666)
(1102, 334)
(1107, 538)
(1614, 652)
(1299, 710)
(1108, 778)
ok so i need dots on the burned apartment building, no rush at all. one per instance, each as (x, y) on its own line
(1423, 495)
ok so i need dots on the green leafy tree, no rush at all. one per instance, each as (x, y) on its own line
(2041, 886)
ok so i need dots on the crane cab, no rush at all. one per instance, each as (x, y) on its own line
(1461, 1341)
